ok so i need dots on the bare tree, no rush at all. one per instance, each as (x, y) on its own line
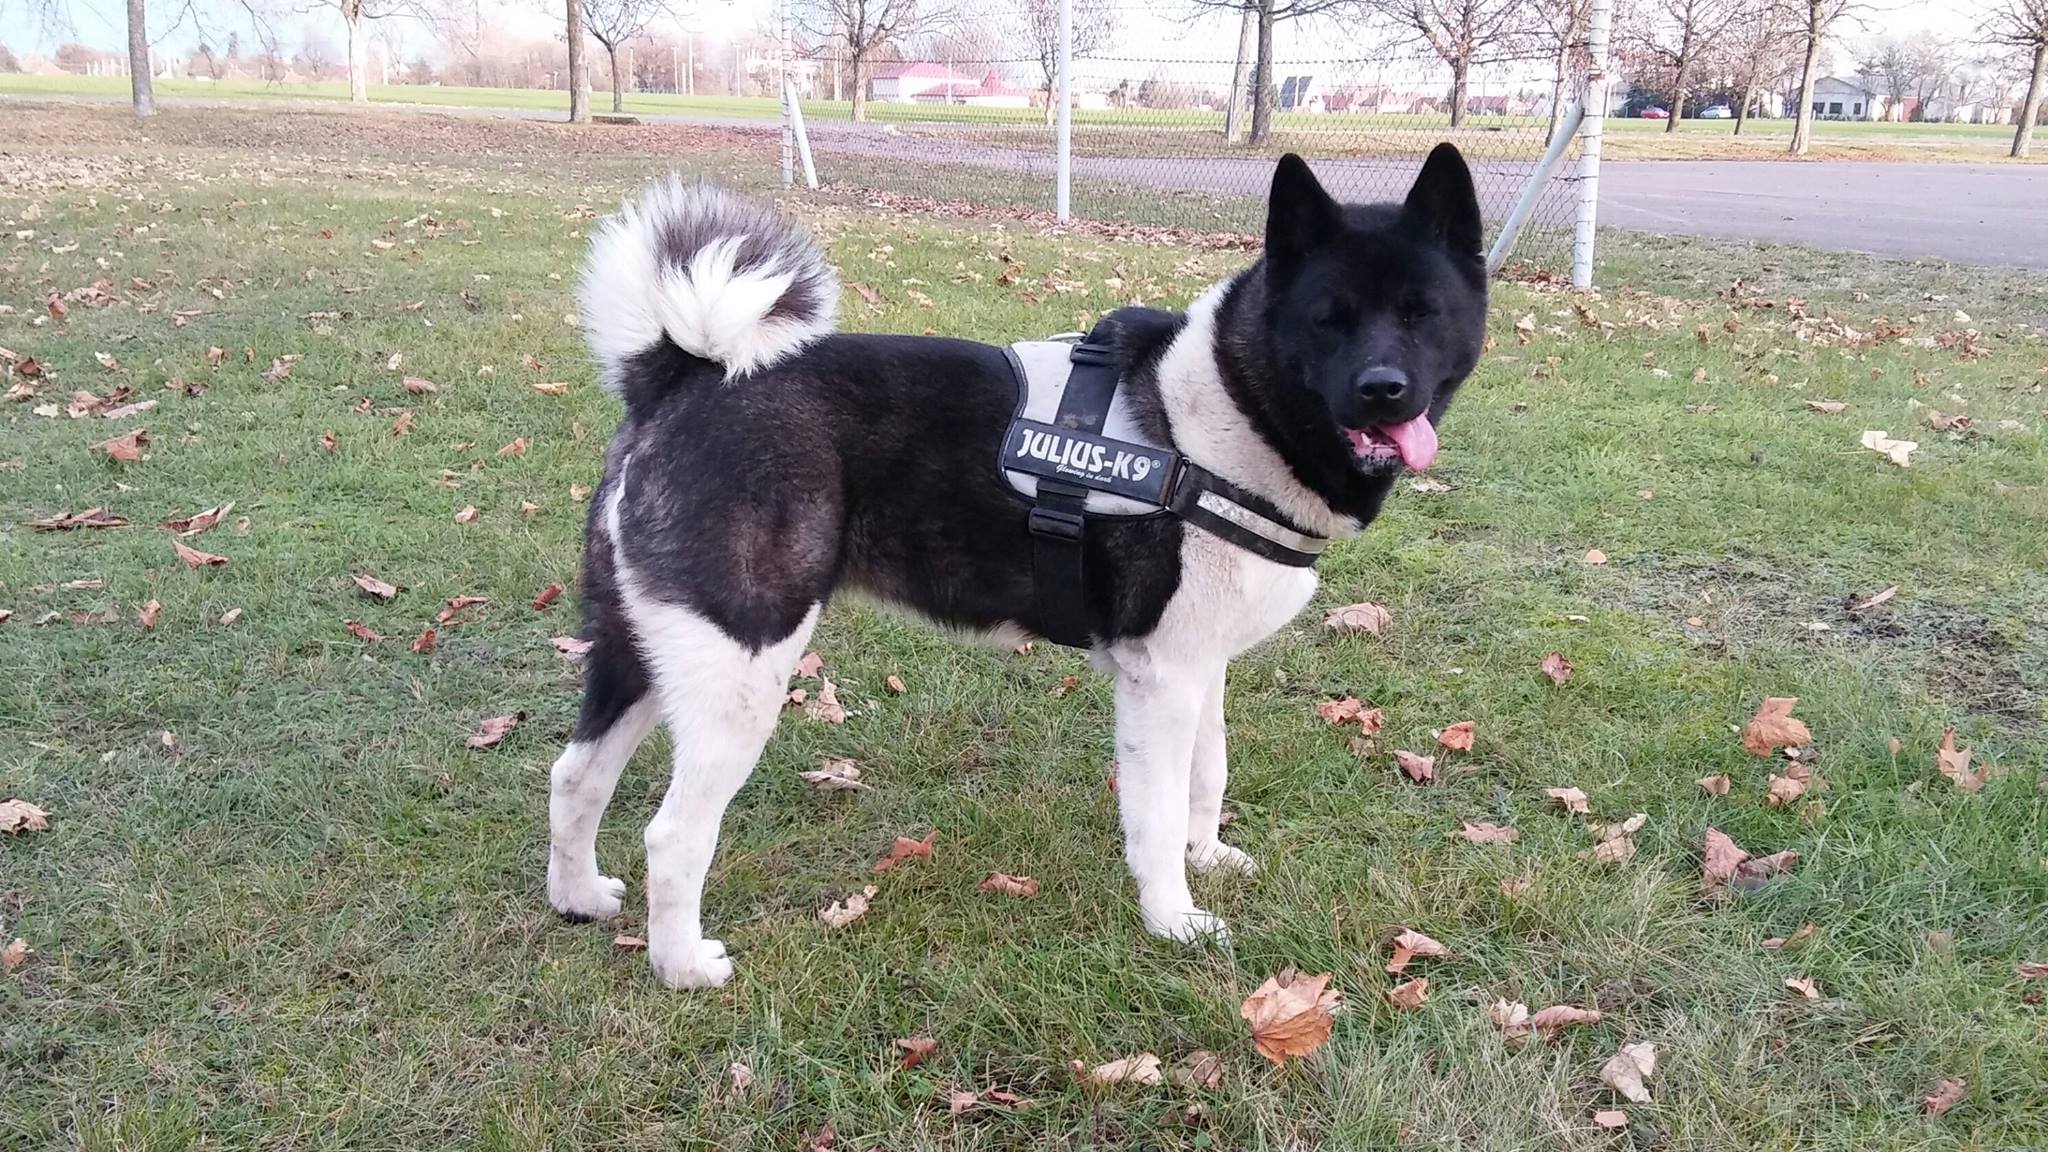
(1561, 28)
(1753, 50)
(1458, 31)
(1889, 64)
(613, 23)
(1677, 34)
(1813, 21)
(141, 89)
(1038, 26)
(579, 77)
(356, 16)
(315, 53)
(865, 27)
(1266, 14)
(2022, 25)
(1934, 62)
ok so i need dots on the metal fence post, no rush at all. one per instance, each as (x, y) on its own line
(1063, 123)
(788, 90)
(1598, 23)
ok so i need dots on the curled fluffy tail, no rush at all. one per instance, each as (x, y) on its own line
(722, 277)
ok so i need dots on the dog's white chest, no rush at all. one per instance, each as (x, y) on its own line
(1230, 599)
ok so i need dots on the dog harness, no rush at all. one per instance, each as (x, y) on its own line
(1074, 451)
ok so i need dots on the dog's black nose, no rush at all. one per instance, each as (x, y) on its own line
(1382, 385)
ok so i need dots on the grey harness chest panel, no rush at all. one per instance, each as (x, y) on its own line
(1075, 453)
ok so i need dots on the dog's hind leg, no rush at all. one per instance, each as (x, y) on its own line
(720, 699)
(617, 713)
(1159, 706)
(1206, 850)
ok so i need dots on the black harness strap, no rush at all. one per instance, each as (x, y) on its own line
(1058, 519)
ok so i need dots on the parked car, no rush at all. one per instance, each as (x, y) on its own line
(1654, 114)
(1717, 112)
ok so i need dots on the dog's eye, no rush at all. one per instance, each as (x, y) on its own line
(1329, 315)
(1414, 308)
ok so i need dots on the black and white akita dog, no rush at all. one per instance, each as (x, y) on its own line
(765, 463)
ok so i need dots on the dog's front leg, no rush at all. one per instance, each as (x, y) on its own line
(1206, 850)
(1158, 709)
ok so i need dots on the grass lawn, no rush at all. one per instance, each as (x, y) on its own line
(281, 905)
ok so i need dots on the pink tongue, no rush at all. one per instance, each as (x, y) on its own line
(1416, 440)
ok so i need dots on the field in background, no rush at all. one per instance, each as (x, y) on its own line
(281, 904)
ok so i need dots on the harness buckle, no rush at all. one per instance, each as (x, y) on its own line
(1056, 523)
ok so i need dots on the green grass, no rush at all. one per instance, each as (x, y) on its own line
(318, 922)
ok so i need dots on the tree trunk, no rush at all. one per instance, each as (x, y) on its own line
(140, 73)
(1556, 95)
(611, 51)
(579, 75)
(1677, 97)
(2023, 137)
(1262, 78)
(1742, 111)
(1461, 86)
(860, 86)
(1240, 76)
(1802, 127)
(358, 55)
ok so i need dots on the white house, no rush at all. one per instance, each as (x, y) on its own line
(924, 82)
(1837, 99)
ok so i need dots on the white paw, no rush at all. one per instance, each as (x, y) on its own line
(700, 965)
(596, 898)
(1216, 856)
(1187, 925)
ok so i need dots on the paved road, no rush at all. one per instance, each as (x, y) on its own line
(1968, 213)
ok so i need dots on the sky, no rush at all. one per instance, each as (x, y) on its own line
(1161, 26)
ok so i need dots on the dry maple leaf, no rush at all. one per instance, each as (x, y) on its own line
(835, 776)
(1946, 1095)
(231, 615)
(1457, 737)
(1421, 769)
(1756, 871)
(11, 957)
(1774, 727)
(67, 521)
(515, 448)
(742, 1076)
(846, 911)
(1611, 851)
(528, 507)
(361, 631)
(571, 646)
(1714, 785)
(552, 388)
(546, 596)
(468, 513)
(493, 730)
(1804, 986)
(374, 587)
(1340, 711)
(1013, 885)
(1783, 790)
(1954, 763)
(867, 293)
(1723, 857)
(1487, 833)
(1831, 407)
(1407, 945)
(1787, 943)
(1353, 618)
(1291, 1015)
(1511, 1017)
(579, 492)
(426, 641)
(2033, 971)
(905, 849)
(1595, 556)
(1569, 799)
(1067, 684)
(193, 557)
(1140, 1069)
(128, 447)
(826, 709)
(148, 614)
(416, 385)
(1899, 452)
(18, 816)
(895, 684)
(403, 424)
(916, 1049)
(1552, 1021)
(457, 604)
(1610, 1118)
(1556, 667)
(1628, 1071)
(280, 367)
(327, 440)
(958, 1101)
(628, 943)
(810, 666)
(199, 522)
(1411, 995)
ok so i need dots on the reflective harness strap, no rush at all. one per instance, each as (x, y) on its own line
(1058, 546)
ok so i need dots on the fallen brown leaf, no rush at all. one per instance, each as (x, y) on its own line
(1946, 1095)
(1876, 599)
(810, 666)
(1556, 667)
(2029, 971)
(1410, 995)
(867, 293)
(1199, 1069)
(418, 386)
(1774, 727)
(846, 911)
(916, 1049)
(907, 849)
(1804, 986)
(375, 588)
(628, 943)
(193, 525)
(403, 424)
(1723, 857)
(1610, 1118)
(327, 440)
(1954, 763)
(515, 448)
(1831, 407)
(1569, 799)
(361, 631)
(1783, 790)
(1511, 1017)
(126, 447)
(1353, 618)
(1595, 556)
(546, 596)
(468, 513)
(68, 521)
(1552, 1021)
(1407, 945)
(457, 604)
(1628, 1071)
(12, 956)
(552, 388)
(148, 614)
(1789, 943)
(1421, 769)
(493, 730)
(426, 641)
(1140, 1069)
(1013, 885)
(231, 615)
(1487, 833)
(1514, 886)
(18, 816)
(1899, 452)
(570, 646)
(193, 557)
(1291, 1014)
(1340, 711)
(826, 709)
(895, 684)
(1457, 737)
(835, 776)
(742, 1076)
(1714, 785)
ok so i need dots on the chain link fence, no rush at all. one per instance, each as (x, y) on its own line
(1167, 130)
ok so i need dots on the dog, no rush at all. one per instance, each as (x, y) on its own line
(765, 463)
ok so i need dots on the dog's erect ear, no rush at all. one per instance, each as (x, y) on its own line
(1299, 214)
(1444, 201)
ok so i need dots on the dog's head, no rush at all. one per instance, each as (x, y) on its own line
(1374, 314)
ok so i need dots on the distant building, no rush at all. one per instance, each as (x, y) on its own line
(924, 82)
(1837, 99)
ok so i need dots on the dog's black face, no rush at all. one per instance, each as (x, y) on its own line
(1373, 314)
